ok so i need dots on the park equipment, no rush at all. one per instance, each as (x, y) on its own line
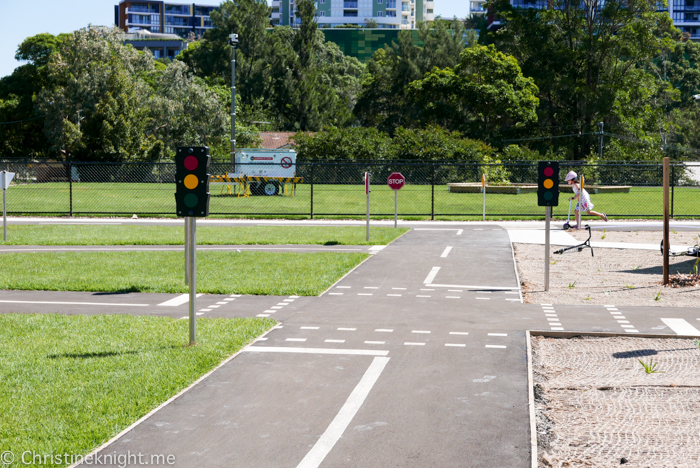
(567, 224)
(691, 251)
(260, 172)
(579, 247)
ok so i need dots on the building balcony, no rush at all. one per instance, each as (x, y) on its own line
(431, 5)
(141, 23)
(350, 5)
(134, 9)
(275, 16)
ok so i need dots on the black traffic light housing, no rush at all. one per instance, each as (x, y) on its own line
(192, 181)
(548, 183)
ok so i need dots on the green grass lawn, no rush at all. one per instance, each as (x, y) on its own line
(302, 274)
(206, 235)
(414, 201)
(70, 383)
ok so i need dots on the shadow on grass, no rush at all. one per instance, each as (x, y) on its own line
(90, 355)
(106, 354)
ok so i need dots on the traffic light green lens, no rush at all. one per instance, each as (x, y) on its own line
(191, 200)
(548, 195)
(191, 181)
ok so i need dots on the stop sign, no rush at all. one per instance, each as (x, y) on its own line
(395, 180)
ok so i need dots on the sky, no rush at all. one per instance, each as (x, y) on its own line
(27, 18)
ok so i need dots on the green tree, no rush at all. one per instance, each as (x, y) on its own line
(485, 92)
(588, 60)
(93, 104)
(332, 143)
(18, 91)
(382, 101)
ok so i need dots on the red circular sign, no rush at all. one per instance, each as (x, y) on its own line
(395, 180)
(191, 163)
(286, 162)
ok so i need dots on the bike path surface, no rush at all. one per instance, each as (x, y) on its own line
(384, 369)
(369, 379)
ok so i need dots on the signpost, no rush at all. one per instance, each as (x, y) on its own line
(367, 190)
(5, 183)
(395, 181)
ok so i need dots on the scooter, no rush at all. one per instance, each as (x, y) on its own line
(567, 224)
(578, 248)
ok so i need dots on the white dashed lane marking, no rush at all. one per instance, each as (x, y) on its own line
(551, 315)
(446, 252)
(621, 320)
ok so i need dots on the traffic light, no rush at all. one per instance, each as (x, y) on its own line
(548, 183)
(192, 181)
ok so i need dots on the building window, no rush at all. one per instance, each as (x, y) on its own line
(350, 13)
(391, 14)
(321, 13)
(391, 3)
(380, 14)
(322, 2)
(379, 2)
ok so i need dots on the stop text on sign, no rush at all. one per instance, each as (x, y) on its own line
(396, 180)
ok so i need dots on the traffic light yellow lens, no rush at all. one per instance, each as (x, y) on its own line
(548, 183)
(191, 181)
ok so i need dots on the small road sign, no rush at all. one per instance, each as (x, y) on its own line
(396, 181)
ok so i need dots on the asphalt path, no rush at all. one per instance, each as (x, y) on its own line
(415, 358)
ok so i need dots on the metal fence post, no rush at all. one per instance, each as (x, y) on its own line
(70, 188)
(432, 192)
(312, 189)
(673, 185)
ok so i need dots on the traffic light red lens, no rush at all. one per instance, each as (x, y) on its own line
(191, 163)
(548, 171)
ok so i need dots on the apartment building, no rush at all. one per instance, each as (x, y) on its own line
(684, 13)
(180, 19)
(389, 14)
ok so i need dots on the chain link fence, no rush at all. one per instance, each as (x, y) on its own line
(322, 189)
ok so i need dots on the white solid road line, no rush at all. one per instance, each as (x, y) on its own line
(680, 326)
(340, 423)
(282, 349)
(179, 300)
(484, 288)
(446, 252)
(431, 276)
(76, 303)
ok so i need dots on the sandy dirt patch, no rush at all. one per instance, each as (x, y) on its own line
(622, 277)
(596, 406)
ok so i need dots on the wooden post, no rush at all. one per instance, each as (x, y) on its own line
(666, 226)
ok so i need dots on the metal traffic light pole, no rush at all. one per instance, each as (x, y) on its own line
(191, 228)
(548, 217)
(233, 41)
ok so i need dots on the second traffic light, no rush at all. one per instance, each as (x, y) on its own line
(548, 183)
(192, 181)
